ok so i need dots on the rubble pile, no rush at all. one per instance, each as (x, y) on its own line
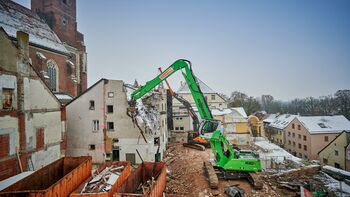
(185, 170)
(148, 117)
(288, 183)
(103, 182)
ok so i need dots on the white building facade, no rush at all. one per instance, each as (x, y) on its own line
(98, 126)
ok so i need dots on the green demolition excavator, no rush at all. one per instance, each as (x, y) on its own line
(230, 163)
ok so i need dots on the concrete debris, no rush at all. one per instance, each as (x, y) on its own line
(103, 182)
(144, 188)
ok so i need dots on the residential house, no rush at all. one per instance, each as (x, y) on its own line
(276, 129)
(307, 135)
(98, 125)
(334, 154)
(32, 121)
(59, 60)
(181, 118)
(234, 124)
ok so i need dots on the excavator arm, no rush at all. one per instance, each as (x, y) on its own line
(197, 94)
(185, 103)
(232, 163)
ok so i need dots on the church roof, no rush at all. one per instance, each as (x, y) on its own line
(14, 17)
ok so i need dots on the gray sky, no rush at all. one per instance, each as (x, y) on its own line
(287, 49)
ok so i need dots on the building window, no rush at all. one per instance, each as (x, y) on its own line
(92, 147)
(40, 138)
(326, 138)
(299, 145)
(293, 126)
(305, 156)
(304, 137)
(213, 97)
(176, 128)
(181, 128)
(288, 133)
(53, 75)
(110, 126)
(289, 142)
(5, 145)
(300, 155)
(299, 127)
(294, 144)
(336, 152)
(299, 136)
(92, 105)
(325, 161)
(293, 134)
(109, 109)
(64, 21)
(305, 147)
(110, 94)
(156, 141)
(96, 125)
(7, 98)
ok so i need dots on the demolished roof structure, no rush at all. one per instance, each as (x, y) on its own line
(14, 17)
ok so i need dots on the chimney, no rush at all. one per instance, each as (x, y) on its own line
(23, 43)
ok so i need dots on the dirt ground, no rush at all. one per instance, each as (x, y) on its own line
(187, 175)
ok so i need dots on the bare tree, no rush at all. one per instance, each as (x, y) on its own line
(342, 100)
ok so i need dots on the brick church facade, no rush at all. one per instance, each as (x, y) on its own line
(60, 15)
(56, 48)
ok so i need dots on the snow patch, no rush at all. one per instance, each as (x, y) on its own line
(273, 152)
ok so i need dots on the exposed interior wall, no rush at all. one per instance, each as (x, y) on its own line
(44, 157)
(9, 82)
(9, 125)
(33, 107)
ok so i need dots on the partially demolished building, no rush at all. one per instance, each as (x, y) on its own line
(98, 125)
(32, 120)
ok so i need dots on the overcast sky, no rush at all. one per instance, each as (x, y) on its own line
(287, 49)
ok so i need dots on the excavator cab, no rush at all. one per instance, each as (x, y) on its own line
(207, 127)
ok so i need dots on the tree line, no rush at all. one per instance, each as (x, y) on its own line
(334, 104)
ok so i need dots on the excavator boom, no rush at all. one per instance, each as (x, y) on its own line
(198, 97)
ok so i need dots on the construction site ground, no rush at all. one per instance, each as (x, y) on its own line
(187, 175)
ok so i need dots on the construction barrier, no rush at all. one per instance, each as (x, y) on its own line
(142, 175)
(59, 178)
(121, 179)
